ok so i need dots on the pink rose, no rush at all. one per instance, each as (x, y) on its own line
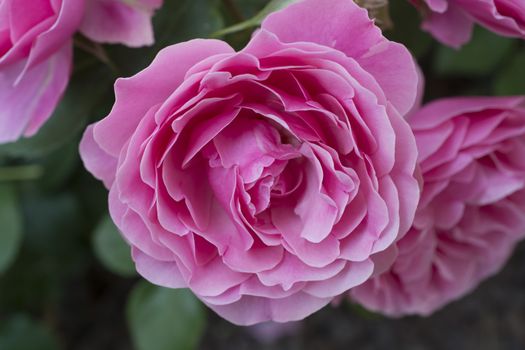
(471, 210)
(35, 61)
(126, 22)
(36, 51)
(267, 180)
(451, 21)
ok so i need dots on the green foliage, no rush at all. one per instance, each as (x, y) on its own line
(164, 319)
(11, 229)
(111, 249)
(177, 22)
(58, 166)
(247, 8)
(405, 30)
(55, 248)
(481, 56)
(511, 80)
(22, 333)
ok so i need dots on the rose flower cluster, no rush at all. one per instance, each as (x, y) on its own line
(301, 169)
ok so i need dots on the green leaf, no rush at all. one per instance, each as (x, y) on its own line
(111, 249)
(92, 194)
(21, 333)
(185, 20)
(256, 20)
(11, 231)
(511, 80)
(406, 28)
(55, 250)
(249, 8)
(164, 319)
(176, 21)
(481, 56)
(58, 166)
(69, 118)
(54, 224)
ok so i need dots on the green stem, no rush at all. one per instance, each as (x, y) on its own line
(256, 20)
(96, 50)
(239, 27)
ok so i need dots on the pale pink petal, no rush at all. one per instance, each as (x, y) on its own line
(98, 162)
(505, 17)
(351, 276)
(251, 310)
(29, 100)
(59, 35)
(162, 273)
(353, 33)
(452, 27)
(136, 95)
(120, 21)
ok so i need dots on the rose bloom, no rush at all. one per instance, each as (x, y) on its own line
(472, 207)
(268, 181)
(451, 21)
(36, 51)
(125, 22)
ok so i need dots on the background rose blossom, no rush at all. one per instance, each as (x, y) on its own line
(35, 61)
(36, 51)
(451, 21)
(270, 180)
(471, 211)
(120, 21)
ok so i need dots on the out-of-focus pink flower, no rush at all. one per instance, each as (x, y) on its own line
(471, 210)
(35, 61)
(125, 22)
(36, 51)
(268, 180)
(451, 21)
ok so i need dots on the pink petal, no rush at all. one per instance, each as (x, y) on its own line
(292, 271)
(506, 17)
(96, 161)
(136, 95)
(59, 35)
(447, 108)
(30, 102)
(251, 310)
(120, 21)
(162, 273)
(353, 33)
(352, 275)
(453, 27)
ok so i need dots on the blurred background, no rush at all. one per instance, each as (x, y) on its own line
(66, 278)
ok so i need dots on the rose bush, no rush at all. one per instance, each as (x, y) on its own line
(471, 211)
(36, 51)
(268, 180)
(451, 21)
